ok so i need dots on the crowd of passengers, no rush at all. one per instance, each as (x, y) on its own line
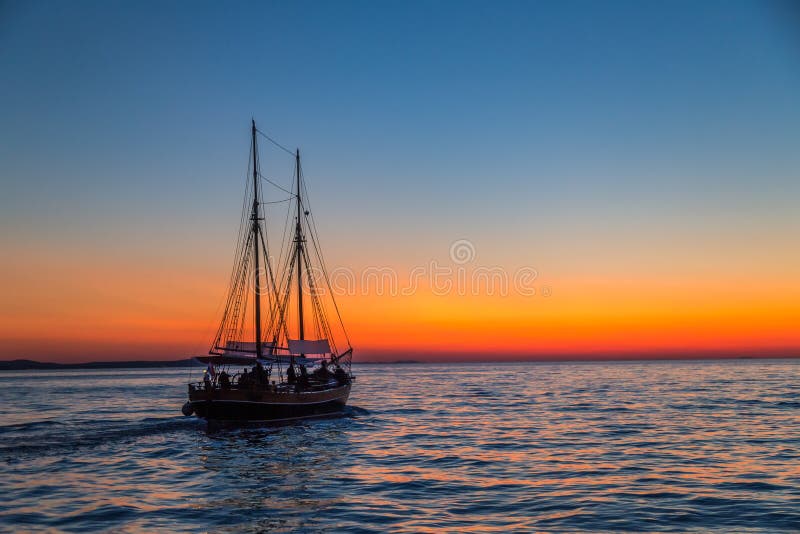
(260, 376)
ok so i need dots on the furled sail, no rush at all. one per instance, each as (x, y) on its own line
(233, 347)
(309, 346)
(226, 359)
(286, 359)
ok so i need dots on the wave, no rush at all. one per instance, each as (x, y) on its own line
(56, 437)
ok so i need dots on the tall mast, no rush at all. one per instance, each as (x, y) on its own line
(299, 250)
(254, 218)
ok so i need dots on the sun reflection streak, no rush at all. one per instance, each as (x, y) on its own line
(494, 447)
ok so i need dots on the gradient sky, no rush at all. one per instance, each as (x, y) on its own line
(643, 157)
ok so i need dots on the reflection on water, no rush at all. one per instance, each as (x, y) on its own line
(553, 447)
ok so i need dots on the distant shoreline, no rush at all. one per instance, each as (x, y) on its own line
(32, 365)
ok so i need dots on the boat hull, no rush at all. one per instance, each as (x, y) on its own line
(252, 406)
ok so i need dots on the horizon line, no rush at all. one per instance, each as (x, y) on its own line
(420, 359)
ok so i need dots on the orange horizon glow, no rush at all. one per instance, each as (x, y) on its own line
(81, 314)
(645, 167)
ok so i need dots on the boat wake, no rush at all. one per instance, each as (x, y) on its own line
(50, 438)
(355, 411)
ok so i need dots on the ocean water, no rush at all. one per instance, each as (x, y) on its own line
(658, 446)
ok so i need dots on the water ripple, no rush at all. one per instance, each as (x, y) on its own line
(681, 446)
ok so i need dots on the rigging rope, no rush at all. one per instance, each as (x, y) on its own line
(318, 250)
(276, 185)
(277, 201)
(280, 281)
(274, 142)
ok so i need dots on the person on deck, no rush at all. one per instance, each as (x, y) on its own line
(304, 377)
(244, 378)
(340, 375)
(259, 375)
(322, 374)
(224, 380)
(291, 375)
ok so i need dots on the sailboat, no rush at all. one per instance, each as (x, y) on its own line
(274, 356)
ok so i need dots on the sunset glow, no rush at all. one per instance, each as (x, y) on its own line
(82, 313)
(652, 189)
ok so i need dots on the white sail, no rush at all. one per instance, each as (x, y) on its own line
(286, 359)
(244, 346)
(309, 346)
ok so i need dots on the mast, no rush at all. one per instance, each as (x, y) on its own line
(299, 251)
(254, 218)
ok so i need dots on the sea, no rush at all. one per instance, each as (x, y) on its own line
(697, 446)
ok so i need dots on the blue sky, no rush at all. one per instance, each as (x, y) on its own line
(432, 104)
(625, 139)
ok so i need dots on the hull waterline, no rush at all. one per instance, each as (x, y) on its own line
(243, 406)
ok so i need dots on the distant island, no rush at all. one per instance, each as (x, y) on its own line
(24, 365)
(28, 365)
